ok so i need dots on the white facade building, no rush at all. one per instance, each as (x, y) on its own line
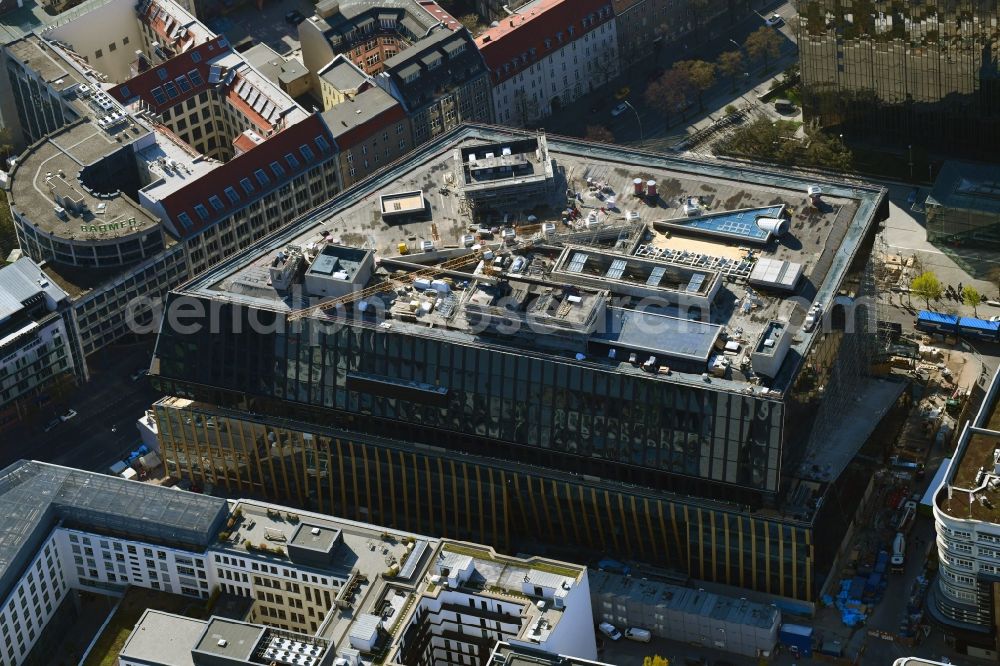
(547, 55)
(414, 599)
(965, 596)
(39, 346)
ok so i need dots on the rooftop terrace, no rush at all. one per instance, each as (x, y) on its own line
(49, 177)
(822, 241)
(971, 487)
(505, 654)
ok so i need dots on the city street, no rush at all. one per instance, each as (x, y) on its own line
(595, 108)
(110, 400)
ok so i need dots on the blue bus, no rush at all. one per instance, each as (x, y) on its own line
(965, 327)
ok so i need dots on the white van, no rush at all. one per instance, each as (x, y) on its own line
(638, 634)
(610, 631)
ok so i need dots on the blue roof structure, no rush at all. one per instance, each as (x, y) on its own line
(937, 318)
(737, 224)
(658, 334)
(980, 324)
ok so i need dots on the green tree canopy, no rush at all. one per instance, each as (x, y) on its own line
(763, 44)
(972, 298)
(701, 74)
(928, 287)
(731, 64)
(670, 92)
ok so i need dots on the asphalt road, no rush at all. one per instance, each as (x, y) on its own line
(655, 131)
(110, 400)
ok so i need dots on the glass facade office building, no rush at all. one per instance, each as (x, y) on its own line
(501, 500)
(924, 73)
(514, 440)
(963, 208)
(535, 407)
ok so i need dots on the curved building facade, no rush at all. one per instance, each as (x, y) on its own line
(82, 216)
(964, 599)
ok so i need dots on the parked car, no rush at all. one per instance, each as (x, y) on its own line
(623, 93)
(610, 631)
(294, 17)
(52, 424)
(68, 415)
(619, 110)
(774, 20)
(638, 634)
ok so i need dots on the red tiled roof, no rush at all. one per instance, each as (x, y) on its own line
(244, 142)
(247, 110)
(186, 200)
(517, 35)
(156, 83)
(438, 12)
(165, 25)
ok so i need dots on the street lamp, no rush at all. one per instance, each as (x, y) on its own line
(911, 160)
(637, 118)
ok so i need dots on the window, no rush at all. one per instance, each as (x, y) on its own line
(162, 73)
(277, 169)
(216, 202)
(196, 79)
(98, 53)
(158, 95)
(171, 89)
(185, 220)
(292, 162)
(183, 83)
(195, 56)
(307, 153)
(231, 194)
(112, 47)
(246, 185)
(202, 211)
(124, 41)
(322, 144)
